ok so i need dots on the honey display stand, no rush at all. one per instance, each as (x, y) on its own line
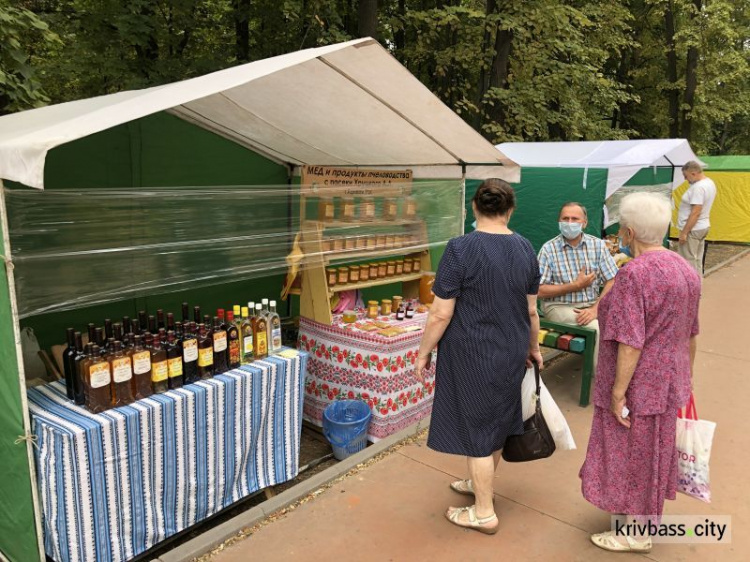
(315, 294)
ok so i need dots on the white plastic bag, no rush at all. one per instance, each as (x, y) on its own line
(556, 422)
(694, 440)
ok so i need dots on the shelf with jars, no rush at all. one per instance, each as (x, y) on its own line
(355, 242)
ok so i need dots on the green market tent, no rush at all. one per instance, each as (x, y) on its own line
(594, 173)
(347, 105)
(730, 214)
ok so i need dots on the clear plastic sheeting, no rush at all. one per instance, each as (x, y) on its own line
(76, 248)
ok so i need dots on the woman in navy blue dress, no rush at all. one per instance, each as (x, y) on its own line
(485, 323)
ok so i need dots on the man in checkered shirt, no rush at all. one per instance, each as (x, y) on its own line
(576, 271)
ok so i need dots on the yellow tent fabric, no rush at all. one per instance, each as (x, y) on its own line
(730, 214)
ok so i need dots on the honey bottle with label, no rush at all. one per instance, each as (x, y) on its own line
(141, 359)
(260, 333)
(159, 367)
(189, 353)
(220, 347)
(98, 380)
(205, 353)
(234, 351)
(274, 329)
(122, 376)
(174, 360)
(246, 335)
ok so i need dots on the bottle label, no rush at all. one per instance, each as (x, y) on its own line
(261, 344)
(220, 341)
(175, 367)
(99, 375)
(276, 338)
(234, 351)
(190, 350)
(121, 369)
(248, 345)
(159, 371)
(141, 362)
(206, 357)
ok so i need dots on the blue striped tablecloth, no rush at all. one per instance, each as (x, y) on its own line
(112, 485)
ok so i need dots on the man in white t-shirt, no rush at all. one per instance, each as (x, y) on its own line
(693, 215)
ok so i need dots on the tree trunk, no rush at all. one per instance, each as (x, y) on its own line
(673, 94)
(368, 18)
(691, 80)
(499, 70)
(484, 84)
(242, 30)
(399, 37)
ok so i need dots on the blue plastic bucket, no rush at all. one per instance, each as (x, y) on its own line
(345, 425)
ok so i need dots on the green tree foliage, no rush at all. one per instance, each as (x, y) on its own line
(531, 70)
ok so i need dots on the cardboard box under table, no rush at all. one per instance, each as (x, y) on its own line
(117, 483)
(348, 363)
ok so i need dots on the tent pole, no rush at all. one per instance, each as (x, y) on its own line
(21, 373)
(463, 197)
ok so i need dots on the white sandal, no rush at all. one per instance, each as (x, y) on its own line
(475, 522)
(607, 541)
(463, 487)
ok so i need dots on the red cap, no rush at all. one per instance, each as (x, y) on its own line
(220, 313)
(230, 316)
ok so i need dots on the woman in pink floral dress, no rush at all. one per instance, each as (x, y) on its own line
(648, 323)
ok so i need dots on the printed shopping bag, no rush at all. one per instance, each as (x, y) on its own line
(554, 417)
(694, 440)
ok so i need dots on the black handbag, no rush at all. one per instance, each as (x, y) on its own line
(536, 441)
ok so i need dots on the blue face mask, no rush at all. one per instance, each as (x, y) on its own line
(624, 248)
(571, 230)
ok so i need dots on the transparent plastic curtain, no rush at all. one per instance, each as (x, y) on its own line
(76, 248)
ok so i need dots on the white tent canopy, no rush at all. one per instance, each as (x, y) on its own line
(623, 159)
(350, 104)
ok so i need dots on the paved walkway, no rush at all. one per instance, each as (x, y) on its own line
(393, 510)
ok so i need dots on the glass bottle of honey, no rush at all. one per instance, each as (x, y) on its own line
(79, 388)
(205, 353)
(141, 359)
(69, 357)
(159, 367)
(189, 354)
(142, 322)
(174, 360)
(197, 314)
(122, 376)
(98, 379)
(260, 333)
(220, 347)
(160, 319)
(185, 313)
(234, 351)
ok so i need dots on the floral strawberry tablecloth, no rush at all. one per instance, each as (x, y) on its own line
(346, 363)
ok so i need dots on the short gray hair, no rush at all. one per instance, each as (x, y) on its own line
(648, 214)
(692, 166)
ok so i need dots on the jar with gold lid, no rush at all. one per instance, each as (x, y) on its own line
(390, 268)
(353, 274)
(367, 209)
(385, 307)
(373, 270)
(364, 272)
(399, 267)
(343, 275)
(332, 275)
(397, 300)
(325, 209)
(372, 309)
(390, 209)
(382, 269)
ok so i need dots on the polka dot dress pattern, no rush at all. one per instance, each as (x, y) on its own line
(481, 356)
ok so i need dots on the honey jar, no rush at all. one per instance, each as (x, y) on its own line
(325, 245)
(410, 208)
(382, 269)
(349, 316)
(385, 307)
(325, 209)
(397, 300)
(373, 270)
(381, 241)
(361, 242)
(337, 243)
(347, 209)
(399, 242)
(408, 265)
(367, 209)
(390, 240)
(350, 243)
(343, 275)
(372, 242)
(364, 272)
(416, 264)
(399, 267)
(372, 309)
(353, 274)
(390, 209)
(390, 268)
(332, 276)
